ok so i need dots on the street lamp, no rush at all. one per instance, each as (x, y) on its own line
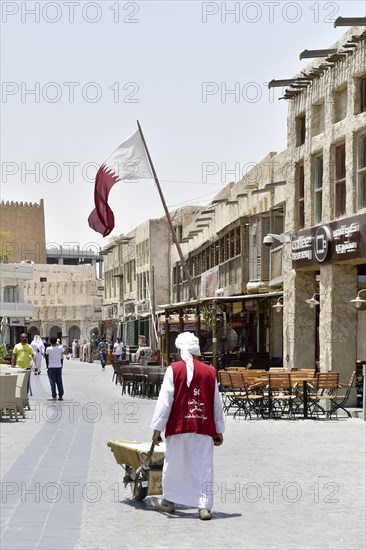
(279, 304)
(359, 301)
(313, 301)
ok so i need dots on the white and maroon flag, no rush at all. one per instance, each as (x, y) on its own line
(128, 162)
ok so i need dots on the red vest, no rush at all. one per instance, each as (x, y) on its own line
(193, 406)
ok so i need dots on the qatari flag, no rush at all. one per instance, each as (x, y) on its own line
(128, 162)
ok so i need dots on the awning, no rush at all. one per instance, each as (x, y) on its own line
(230, 299)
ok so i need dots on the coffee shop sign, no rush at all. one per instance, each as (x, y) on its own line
(318, 245)
(346, 232)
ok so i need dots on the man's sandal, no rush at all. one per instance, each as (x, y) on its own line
(204, 514)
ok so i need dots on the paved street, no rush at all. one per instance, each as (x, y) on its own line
(278, 484)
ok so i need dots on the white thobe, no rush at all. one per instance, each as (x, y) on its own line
(188, 463)
(38, 354)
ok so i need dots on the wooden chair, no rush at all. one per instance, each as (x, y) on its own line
(256, 393)
(152, 384)
(339, 401)
(117, 372)
(127, 382)
(325, 391)
(281, 395)
(239, 393)
(225, 390)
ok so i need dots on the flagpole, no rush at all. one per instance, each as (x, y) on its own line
(172, 230)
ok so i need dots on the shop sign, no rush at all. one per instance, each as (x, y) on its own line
(237, 324)
(337, 241)
(17, 322)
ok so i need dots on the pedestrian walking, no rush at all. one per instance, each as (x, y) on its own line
(103, 352)
(39, 349)
(118, 349)
(189, 409)
(21, 353)
(55, 354)
(74, 346)
(46, 343)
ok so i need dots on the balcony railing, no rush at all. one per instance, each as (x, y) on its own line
(16, 271)
(19, 309)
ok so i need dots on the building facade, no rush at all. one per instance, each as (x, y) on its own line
(24, 227)
(15, 311)
(66, 301)
(327, 211)
(137, 277)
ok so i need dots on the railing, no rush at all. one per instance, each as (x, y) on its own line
(16, 271)
(19, 309)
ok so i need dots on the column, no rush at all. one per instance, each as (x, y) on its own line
(338, 320)
(298, 320)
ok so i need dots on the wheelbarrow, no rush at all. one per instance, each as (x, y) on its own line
(142, 464)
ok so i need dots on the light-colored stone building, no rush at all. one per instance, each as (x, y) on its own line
(25, 227)
(15, 312)
(312, 199)
(326, 211)
(137, 277)
(67, 302)
(309, 204)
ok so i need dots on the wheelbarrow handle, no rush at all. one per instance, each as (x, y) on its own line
(149, 455)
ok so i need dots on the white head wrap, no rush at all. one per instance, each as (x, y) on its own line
(188, 344)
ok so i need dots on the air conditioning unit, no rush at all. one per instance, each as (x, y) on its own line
(142, 307)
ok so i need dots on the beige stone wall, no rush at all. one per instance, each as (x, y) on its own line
(70, 296)
(26, 225)
(330, 106)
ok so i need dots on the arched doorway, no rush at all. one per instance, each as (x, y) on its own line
(74, 334)
(56, 332)
(32, 332)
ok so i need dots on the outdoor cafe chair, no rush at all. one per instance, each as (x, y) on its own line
(117, 372)
(338, 401)
(281, 395)
(239, 394)
(322, 400)
(21, 392)
(256, 396)
(8, 400)
(127, 382)
(226, 390)
(139, 384)
(152, 384)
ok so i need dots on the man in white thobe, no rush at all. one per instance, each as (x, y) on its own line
(189, 409)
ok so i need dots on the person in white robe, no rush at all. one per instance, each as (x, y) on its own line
(38, 348)
(188, 464)
(74, 348)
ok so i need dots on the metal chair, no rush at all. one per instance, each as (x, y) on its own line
(281, 395)
(324, 394)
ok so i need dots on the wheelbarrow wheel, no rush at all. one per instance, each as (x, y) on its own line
(139, 491)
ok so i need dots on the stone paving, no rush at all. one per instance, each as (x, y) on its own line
(278, 484)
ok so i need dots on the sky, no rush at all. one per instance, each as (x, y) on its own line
(76, 76)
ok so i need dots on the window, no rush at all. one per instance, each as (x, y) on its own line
(340, 104)
(318, 188)
(300, 130)
(362, 92)
(340, 179)
(317, 119)
(361, 172)
(300, 195)
(43, 279)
